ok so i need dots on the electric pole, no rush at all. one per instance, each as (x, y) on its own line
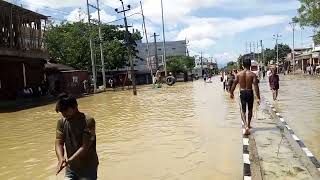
(246, 46)
(145, 32)
(101, 49)
(164, 42)
(276, 37)
(128, 43)
(262, 51)
(91, 51)
(156, 49)
(293, 51)
(201, 64)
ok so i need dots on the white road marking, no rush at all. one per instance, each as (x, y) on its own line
(295, 137)
(246, 159)
(245, 141)
(309, 153)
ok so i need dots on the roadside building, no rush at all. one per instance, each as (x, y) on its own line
(144, 65)
(22, 51)
(303, 57)
(62, 78)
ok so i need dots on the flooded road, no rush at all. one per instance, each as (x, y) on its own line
(299, 103)
(188, 131)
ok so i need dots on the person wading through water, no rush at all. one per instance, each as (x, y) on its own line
(76, 132)
(246, 79)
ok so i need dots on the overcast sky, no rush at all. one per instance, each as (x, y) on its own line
(219, 28)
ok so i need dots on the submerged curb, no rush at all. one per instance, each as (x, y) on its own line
(309, 160)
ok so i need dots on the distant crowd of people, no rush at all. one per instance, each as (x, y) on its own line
(312, 69)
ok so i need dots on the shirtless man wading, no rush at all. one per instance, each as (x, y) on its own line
(246, 79)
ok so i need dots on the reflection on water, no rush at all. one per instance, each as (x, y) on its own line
(188, 131)
(299, 103)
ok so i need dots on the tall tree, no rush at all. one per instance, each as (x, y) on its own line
(231, 65)
(271, 54)
(309, 15)
(180, 64)
(68, 43)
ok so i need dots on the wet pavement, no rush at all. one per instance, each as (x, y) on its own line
(277, 158)
(188, 131)
(299, 104)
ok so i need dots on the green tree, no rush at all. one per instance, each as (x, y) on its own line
(68, 43)
(180, 64)
(269, 55)
(309, 15)
(231, 65)
(239, 61)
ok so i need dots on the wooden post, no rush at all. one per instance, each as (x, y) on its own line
(10, 28)
(30, 35)
(44, 31)
(24, 75)
(38, 32)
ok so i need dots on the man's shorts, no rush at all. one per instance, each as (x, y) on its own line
(246, 97)
(89, 175)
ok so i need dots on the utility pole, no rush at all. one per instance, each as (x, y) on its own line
(91, 51)
(145, 32)
(276, 37)
(293, 51)
(156, 49)
(201, 63)
(128, 42)
(258, 51)
(262, 51)
(164, 42)
(101, 49)
(246, 46)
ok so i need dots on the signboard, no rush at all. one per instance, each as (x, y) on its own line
(151, 62)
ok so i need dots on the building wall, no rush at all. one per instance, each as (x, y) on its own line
(173, 48)
(71, 82)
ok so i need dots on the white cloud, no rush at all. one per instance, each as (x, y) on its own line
(202, 43)
(103, 16)
(78, 14)
(55, 3)
(174, 10)
(200, 28)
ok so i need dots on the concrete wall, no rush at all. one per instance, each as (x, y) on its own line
(173, 48)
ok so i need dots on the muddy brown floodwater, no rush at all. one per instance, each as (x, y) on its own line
(188, 131)
(299, 103)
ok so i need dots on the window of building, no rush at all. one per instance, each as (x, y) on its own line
(173, 48)
(159, 49)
